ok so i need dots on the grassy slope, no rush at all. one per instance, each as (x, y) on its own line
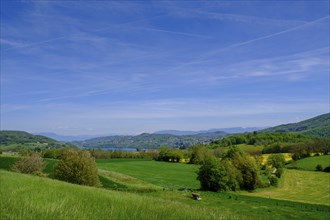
(167, 175)
(317, 126)
(30, 197)
(311, 162)
(298, 185)
(6, 163)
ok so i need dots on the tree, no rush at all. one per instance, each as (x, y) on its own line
(249, 170)
(234, 176)
(199, 153)
(212, 175)
(277, 161)
(30, 165)
(77, 166)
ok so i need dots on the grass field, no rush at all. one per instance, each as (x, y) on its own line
(310, 163)
(167, 175)
(302, 186)
(7, 161)
(29, 197)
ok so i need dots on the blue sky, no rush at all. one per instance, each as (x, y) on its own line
(127, 67)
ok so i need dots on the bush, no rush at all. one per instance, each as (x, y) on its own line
(77, 166)
(30, 165)
(319, 167)
(327, 169)
(273, 180)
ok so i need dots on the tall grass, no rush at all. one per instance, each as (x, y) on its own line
(30, 197)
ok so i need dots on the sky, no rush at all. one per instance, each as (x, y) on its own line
(127, 67)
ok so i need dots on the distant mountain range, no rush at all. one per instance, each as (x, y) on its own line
(234, 130)
(317, 126)
(151, 140)
(71, 138)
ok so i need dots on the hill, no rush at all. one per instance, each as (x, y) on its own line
(317, 126)
(14, 140)
(151, 140)
(234, 130)
(67, 138)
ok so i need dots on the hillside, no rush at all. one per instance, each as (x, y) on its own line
(317, 126)
(233, 130)
(151, 140)
(14, 140)
(43, 198)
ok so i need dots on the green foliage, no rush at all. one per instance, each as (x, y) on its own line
(260, 139)
(52, 153)
(199, 154)
(276, 160)
(327, 169)
(249, 171)
(319, 167)
(236, 170)
(273, 180)
(213, 175)
(107, 154)
(30, 165)
(170, 155)
(77, 166)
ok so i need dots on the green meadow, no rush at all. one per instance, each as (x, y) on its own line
(310, 163)
(31, 197)
(164, 174)
(301, 186)
(146, 189)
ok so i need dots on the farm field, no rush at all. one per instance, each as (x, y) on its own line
(43, 198)
(310, 163)
(164, 174)
(302, 186)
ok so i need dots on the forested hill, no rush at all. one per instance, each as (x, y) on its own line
(151, 140)
(15, 140)
(317, 126)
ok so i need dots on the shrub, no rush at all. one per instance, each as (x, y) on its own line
(319, 167)
(327, 169)
(273, 180)
(30, 165)
(77, 166)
